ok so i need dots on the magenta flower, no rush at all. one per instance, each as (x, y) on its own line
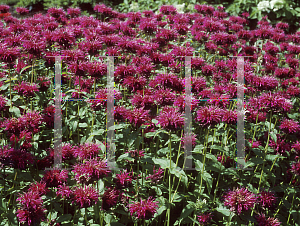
(64, 191)
(157, 175)
(39, 188)
(204, 218)
(110, 198)
(170, 119)
(74, 12)
(189, 139)
(22, 10)
(85, 196)
(137, 117)
(263, 221)
(31, 211)
(209, 115)
(239, 200)
(289, 126)
(26, 89)
(266, 199)
(295, 168)
(53, 178)
(144, 209)
(225, 160)
(168, 10)
(123, 180)
(86, 151)
(4, 8)
(21, 158)
(90, 171)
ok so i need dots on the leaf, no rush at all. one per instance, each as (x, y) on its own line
(178, 172)
(164, 163)
(186, 212)
(15, 111)
(63, 218)
(207, 177)
(83, 125)
(223, 210)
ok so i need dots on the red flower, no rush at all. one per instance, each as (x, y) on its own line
(85, 196)
(209, 115)
(263, 221)
(239, 200)
(156, 176)
(266, 199)
(90, 171)
(74, 12)
(289, 126)
(22, 10)
(144, 209)
(204, 218)
(4, 8)
(32, 210)
(123, 180)
(53, 178)
(110, 198)
(170, 119)
(64, 191)
(86, 151)
(168, 9)
(26, 89)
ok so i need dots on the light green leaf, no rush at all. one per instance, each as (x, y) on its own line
(63, 218)
(15, 111)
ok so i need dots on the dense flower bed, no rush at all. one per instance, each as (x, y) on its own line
(150, 185)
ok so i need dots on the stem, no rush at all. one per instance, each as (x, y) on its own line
(170, 188)
(291, 208)
(10, 86)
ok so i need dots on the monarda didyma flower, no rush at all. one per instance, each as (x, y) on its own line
(239, 200)
(144, 209)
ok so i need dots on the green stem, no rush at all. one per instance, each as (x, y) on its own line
(291, 209)
(170, 188)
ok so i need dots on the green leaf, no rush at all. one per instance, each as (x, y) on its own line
(223, 210)
(207, 177)
(63, 218)
(83, 125)
(178, 172)
(15, 111)
(164, 163)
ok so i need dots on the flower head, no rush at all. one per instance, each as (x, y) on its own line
(289, 126)
(156, 176)
(239, 200)
(64, 191)
(170, 119)
(26, 89)
(85, 196)
(262, 220)
(204, 218)
(110, 198)
(86, 151)
(266, 199)
(22, 10)
(123, 180)
(31, 210)
(90, 171)
(144, 209)
(53, 178)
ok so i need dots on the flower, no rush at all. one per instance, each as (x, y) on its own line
(189, 140)
(204, 218)
(26, 89)
(239, 200)
(156, 176)
(225, 160)
(86, 151)
(123, 180)
(31, 211)
(137, 117)
(209, 116)
(39, 188)
(266, 199)
(144, 209)
(53, 178)
(263, 221)
(22, 10)
(168, 10)
(85, 196)
(170, 118)
(64, 191)
(90, 171)
(110, 198)
(289, 126)
(4, 8)
(74, 12)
